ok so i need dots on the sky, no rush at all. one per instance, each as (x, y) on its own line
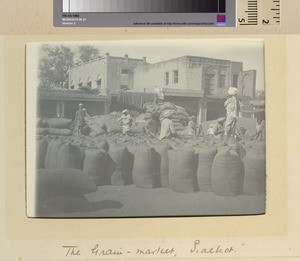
(250, 52)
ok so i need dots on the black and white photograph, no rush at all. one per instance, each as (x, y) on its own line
(145, 128)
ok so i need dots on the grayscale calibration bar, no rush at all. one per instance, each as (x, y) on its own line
(145, 6)
(144, 13)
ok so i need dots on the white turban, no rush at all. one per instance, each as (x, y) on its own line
(232, 91)
(167, 114)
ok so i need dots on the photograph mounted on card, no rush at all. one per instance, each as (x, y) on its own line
(145, 128)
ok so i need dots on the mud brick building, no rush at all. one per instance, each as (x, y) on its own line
(199, 84)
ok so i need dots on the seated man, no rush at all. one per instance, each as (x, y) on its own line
(153, 125)
(167, 128)
(217, 129)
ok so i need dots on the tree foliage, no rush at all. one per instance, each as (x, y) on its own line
(87, 52)
(54, 65)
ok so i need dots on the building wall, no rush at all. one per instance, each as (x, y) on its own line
(236, 69)
(194, 73)
(92, 71)
(152, 75)
(107, 70)
(120, 72)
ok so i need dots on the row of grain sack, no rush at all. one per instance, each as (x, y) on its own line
(227, 171)
(54, 126)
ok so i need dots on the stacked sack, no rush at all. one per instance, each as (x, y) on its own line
(255, 171)
(180, 117)
(112, 124)
(41, 126)
(182, 170)
(54, 126)
(96, 124)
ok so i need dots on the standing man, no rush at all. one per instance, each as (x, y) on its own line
(167, 129)
(159, 96)
(125, 121)
(232, 107)
(192, 126)
(79, 118)
(260, 129)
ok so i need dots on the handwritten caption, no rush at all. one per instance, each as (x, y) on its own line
(196, 248)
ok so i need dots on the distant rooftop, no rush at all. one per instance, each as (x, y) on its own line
(66, 94)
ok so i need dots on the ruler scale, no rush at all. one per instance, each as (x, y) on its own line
(258, 12)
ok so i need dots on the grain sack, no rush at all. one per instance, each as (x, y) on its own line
(181, 114)
(255, 173)
(59, 123)
(41, 151)
(69, 156)
(145, 168)
(86, 130)
(95, 165)
(146, 116)
(119, 165)
(62, 182)
(102, 145)
(97, 125)
(178, 127)
(41, 131)
(96, 130)
(167, 106)
(82, 153)
(44, 123)
(239, 149)
(182, 174)
(162, 150)
(137, 129)
(56, 131)
(51, 158)
(113, 128)
(205, 161)
(227, 173)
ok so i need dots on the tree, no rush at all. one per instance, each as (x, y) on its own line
(87, 53)
(54, 65)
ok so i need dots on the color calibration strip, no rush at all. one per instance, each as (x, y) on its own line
(144, 6)
(144, 13)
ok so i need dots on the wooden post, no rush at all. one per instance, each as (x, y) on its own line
(57, 108)
(63, 110)
(202, 112)
(107, 107)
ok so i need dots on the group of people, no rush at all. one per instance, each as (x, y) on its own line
(163, 125)
(226, 126)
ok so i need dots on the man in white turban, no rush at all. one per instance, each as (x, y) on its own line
(232, 111)
(126, 121)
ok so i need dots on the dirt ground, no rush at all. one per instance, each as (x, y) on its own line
(130, 201)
